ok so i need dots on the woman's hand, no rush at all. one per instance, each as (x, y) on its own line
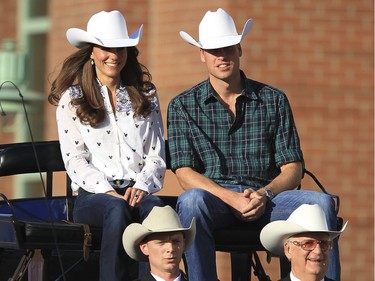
(134, 195)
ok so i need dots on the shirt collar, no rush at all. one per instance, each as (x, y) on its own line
(249, 91)
(121, 89)
(157, 278)
(293, 278)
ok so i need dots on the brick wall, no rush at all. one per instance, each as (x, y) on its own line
(319, 52)
(8, 19)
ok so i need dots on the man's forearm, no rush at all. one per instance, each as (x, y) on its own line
(289, 178)
(188, 178)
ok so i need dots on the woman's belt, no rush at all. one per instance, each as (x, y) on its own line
(121, 185)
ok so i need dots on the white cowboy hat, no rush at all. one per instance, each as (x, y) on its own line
(306, 218)
(217, 30)
(107, 29)
(159, 220)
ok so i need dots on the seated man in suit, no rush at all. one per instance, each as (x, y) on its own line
(305, 240)
(161, 240)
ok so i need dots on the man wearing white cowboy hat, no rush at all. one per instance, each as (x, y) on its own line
(111, 134)
(234, 148)
(305, 240)
(161, 240)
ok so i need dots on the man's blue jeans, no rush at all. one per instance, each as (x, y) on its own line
(114, 215)
(212, 213)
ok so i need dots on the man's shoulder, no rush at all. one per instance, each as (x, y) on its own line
(266, 93)
(261, 88)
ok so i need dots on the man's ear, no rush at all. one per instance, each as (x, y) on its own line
(287, 249)
(203, 59)
(144, 249)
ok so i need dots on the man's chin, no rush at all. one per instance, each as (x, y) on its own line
(171, 268)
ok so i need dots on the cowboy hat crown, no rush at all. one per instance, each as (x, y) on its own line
(217, 30)
(107, 29)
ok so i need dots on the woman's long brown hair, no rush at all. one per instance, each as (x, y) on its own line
(77, 70)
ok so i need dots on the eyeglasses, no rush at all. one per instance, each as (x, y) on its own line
(310, 245)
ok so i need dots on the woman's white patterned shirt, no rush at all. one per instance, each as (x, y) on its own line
(122, 147)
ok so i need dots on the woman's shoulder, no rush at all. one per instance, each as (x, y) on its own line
(73, 92)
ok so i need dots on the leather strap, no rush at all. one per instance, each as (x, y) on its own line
(87, 239)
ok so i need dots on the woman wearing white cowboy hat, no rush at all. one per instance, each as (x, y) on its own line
(234, 148)
(111, 133)
(161, 240)
(305, 240)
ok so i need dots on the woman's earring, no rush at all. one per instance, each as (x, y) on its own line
(92, 62)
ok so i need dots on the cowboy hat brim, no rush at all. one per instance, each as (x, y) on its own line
(135, 233)
(220, 42)
(79, 38)
(274, 234)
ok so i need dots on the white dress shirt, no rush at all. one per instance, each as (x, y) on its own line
(122, 147)
(293, 278)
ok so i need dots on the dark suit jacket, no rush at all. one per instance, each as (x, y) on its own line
(287, 278)
(149, 277)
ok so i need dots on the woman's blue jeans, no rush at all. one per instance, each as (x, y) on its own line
(212, 213)
(114, 215)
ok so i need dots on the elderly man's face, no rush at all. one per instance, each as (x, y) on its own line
(164, 251)
(307, 257)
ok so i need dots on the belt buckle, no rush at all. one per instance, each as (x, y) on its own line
(123, 183)
(118, 183)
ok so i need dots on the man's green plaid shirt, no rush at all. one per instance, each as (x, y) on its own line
(248, 150)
